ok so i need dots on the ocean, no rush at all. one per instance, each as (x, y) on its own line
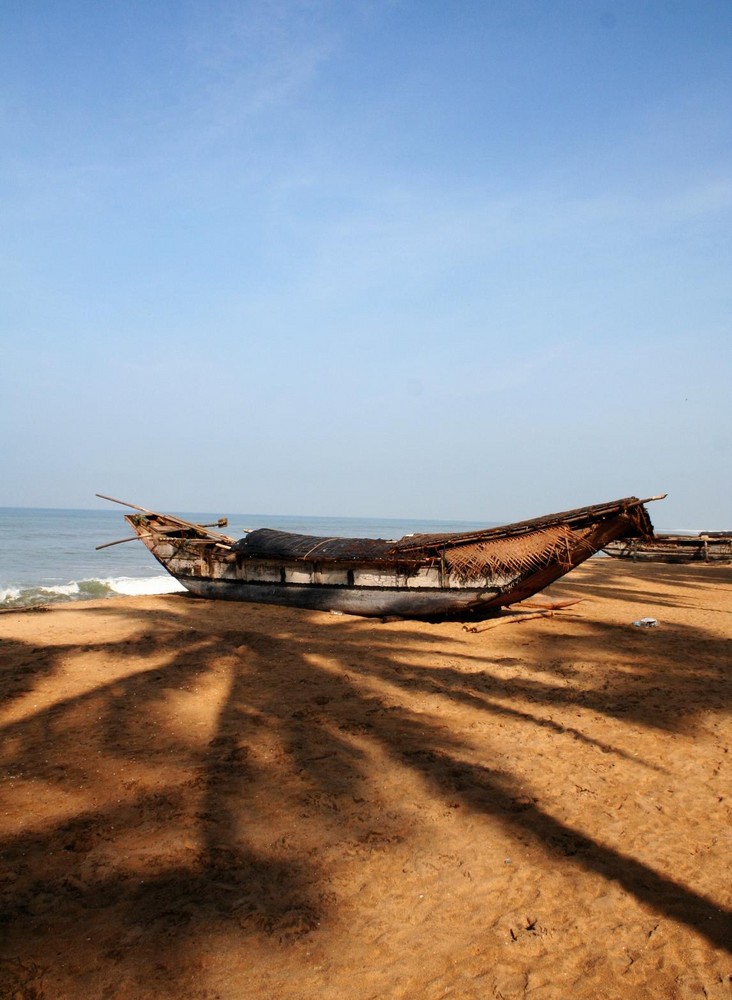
(49, 556)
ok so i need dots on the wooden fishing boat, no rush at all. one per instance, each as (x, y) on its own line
(707, 546)
(455, 575)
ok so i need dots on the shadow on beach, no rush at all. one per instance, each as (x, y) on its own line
(212, 787)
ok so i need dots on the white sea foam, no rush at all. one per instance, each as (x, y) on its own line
(144, 586)
(84, 590)
(62, 590)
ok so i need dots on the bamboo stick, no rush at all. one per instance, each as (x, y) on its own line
(121, 541)
(171, 517)
(124, 503)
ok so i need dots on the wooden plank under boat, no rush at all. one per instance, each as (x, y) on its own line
(707, 546)
(455, 575)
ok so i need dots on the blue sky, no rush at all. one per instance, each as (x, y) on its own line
(375, 258)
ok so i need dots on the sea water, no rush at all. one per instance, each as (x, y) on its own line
(48, 556)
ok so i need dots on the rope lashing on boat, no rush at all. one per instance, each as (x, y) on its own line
(323, 541)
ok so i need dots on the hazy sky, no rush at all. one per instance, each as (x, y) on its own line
(464, 259)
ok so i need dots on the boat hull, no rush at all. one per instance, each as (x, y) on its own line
(380, 602)
(674, 549)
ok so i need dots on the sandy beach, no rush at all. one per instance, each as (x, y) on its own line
(209, 800)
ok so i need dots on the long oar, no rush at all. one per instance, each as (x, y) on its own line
(124, 503)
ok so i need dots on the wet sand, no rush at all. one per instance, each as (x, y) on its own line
(209, 800)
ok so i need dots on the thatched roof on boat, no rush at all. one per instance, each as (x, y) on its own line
(578, 518)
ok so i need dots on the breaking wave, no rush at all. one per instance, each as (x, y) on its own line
(87, 590)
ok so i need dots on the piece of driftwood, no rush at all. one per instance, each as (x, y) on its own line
(524, 612)
(25, 610)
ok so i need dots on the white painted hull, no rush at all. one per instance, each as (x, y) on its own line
(359, 589)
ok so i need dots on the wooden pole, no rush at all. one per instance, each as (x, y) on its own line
(221, 523)
(120, 541)
(124, 503)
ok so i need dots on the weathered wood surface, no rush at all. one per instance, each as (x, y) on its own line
(427, 576)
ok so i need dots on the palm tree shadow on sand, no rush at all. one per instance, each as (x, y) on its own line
(217, 774)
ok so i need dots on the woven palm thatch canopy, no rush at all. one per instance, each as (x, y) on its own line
(513, 548)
